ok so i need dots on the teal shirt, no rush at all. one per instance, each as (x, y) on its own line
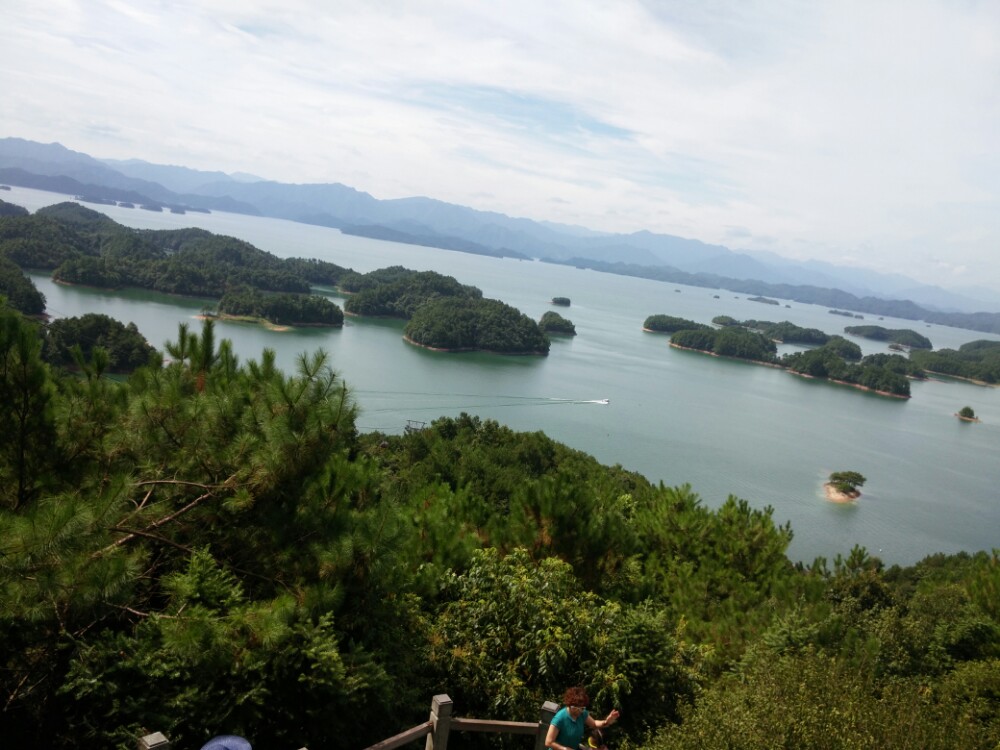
(570, 732)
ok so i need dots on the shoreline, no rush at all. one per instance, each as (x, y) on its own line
(963, 379)
(834, 495)
(271, 326)
(760, 362)
(856, 386)
(462, 350)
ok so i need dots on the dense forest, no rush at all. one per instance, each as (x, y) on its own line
(903, 336)
(82, 246)
(786, 332)
(553, 322)
(976, 360)
(281, 309)
(464, 324)
(671, 324)
(211, 547)
(397, 292)
(837, 359)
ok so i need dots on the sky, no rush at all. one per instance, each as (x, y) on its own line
(859, 133)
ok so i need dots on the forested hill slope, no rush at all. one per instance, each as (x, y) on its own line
(211, 547)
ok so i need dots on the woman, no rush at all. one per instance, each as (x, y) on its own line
(570, 722)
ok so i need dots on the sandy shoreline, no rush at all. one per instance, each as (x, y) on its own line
(836, 496)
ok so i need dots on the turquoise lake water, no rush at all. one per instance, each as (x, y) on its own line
(723, 427)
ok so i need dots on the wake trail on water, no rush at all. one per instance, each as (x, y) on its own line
(481, 398)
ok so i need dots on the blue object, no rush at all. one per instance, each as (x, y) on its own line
(227, 742)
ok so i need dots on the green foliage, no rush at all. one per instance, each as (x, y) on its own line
(725, 320)
(86, 247)
(461, 324)
(281, 309)
(553, 322)
(884, 373)
(670, 324)
(902, 336)
(728, 341)
(847, 481)
(398, 292)
(811, 701)
(11, 209)
(561, 301)
(967, 412)
(210, 547)
(788, 332)
(18, 290)
(514, 631)
(976, 360)
(124, 346)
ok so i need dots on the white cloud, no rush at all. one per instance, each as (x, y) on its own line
(842, 129)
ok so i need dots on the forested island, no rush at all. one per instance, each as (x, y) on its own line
(671, 324)
(81, 246)
(554, 323)
(211, 545)
(978, 361)
(442, 313)
(397, 292)
(837, 359)
(902, 336)
(784, 332)
(280, 309)
(458, 324)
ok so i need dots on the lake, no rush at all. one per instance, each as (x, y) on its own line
(724, 427)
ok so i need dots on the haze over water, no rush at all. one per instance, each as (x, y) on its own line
(679, 417)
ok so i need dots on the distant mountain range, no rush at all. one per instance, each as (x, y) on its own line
(426, 221)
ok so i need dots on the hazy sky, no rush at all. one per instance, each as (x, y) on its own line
(862, 133)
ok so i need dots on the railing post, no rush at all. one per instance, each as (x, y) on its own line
(441, 718)
(154, 741)
(548, 711)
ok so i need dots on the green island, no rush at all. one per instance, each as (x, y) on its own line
(837, 360)
(213, 545)
(977, 361)
(81, 246)
(458, 324)
(561, 301)
(842, 486)
(765, 300)
(555, 324)
(784, 332)
(280, 309)
(397, 292)
(671, 324)
(901, 336)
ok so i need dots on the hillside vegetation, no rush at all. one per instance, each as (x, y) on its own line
(211, 547)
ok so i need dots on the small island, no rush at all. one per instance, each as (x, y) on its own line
(555, 324)
(966, 414)
(281, 310)
(671, 324)
(561, 301)
(842, 486)
(455, 324)
(765, 300)
(904, 337)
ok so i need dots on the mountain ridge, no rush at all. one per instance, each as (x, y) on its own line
(339, 206)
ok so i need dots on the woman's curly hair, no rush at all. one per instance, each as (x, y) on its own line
(576, 696)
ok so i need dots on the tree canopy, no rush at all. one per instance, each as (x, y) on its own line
(210, 546)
